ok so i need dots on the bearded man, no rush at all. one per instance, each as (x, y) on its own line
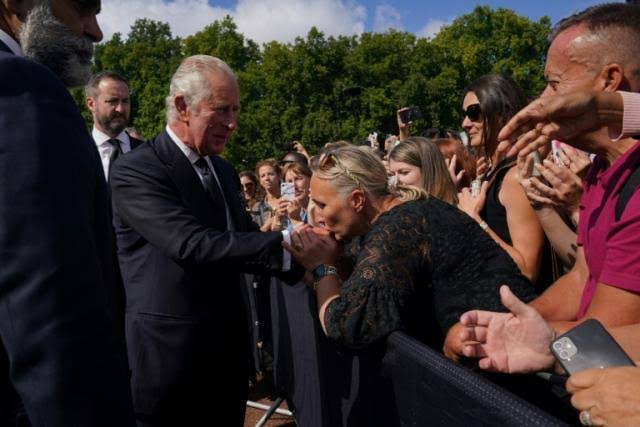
(108, 99)
(62, 359)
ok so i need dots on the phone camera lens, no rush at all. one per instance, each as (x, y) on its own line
(564, 354)
(557, 346)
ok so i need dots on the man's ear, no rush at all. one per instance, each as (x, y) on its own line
(357, 200)
(90, 103)
(611, 78)
(181, 108)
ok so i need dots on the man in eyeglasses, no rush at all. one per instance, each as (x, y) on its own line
(62, 358)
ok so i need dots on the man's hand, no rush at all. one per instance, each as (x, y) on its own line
(515, 342)
(612, 395)
(560, 117)
(312, 247)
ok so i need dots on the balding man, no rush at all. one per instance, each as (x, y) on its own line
(594, 50)
(184, 238)
(62, 358)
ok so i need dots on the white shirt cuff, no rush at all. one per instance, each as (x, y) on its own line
(286, 256)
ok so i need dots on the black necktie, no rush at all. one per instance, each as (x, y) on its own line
(117, 150)
(210, 183)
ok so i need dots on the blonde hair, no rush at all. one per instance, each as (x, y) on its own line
(425, 155)
(349, 168)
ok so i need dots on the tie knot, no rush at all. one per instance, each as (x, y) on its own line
(202, 165)
(115, 143)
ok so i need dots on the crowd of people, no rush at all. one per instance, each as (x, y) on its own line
(123, 262)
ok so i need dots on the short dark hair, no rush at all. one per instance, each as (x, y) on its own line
(92, 86)
(500, 98)
(617, 28)
(620, 15)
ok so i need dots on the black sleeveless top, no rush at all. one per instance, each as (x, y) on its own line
(495, 215)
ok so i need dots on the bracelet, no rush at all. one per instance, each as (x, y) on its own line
(483, 225)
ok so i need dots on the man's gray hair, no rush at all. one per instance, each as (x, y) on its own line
(190, 81)
(613, 34)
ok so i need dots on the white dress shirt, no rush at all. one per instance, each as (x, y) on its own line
(193, 157)
(105, 149)
(11, 43)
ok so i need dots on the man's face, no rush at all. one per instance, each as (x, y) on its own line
(212, 122)
(564, 71)
(110, 107)
(60, 35)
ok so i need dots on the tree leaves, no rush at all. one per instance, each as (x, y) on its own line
(318, 89)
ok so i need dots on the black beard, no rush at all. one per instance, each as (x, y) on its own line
(111, 126)
(48, 41)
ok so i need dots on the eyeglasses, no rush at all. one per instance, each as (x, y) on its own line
(473, 112)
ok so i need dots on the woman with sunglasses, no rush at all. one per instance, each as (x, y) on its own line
(416, 263)
(502, 208)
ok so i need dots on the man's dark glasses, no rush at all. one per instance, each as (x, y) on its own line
(473, 112)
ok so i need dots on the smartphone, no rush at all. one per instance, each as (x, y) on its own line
(588, 346)
(533, 171)
(287, 191)
(410, 114)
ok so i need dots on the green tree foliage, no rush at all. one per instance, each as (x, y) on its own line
(318, 89)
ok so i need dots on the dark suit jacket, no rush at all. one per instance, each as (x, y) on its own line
(135, 142)
(185, 321)
(61, 353)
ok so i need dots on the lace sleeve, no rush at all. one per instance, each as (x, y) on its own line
(374, 299)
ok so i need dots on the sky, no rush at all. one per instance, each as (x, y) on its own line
(284, 20)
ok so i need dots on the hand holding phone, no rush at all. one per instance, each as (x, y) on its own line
(410, 114)
(287, 191)
(588, 346)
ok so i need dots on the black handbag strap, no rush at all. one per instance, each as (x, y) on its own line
(627, 191)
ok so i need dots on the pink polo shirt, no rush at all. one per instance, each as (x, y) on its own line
(611, 248)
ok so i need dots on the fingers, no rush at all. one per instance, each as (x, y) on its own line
(584, 379)
(513, 304)
(476, 318)
(543, 190)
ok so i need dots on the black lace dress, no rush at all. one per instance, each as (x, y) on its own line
(421, 265)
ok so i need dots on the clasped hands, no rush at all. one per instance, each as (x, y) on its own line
(313, 246)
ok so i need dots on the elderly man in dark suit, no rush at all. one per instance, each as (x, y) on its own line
(62, 357)
(108, 99)
(184, 239)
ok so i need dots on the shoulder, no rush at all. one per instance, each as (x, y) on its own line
(143, 159)
(511, 191)
(18, 74)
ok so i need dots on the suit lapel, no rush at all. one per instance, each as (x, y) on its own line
(5, 48)
(185, 177)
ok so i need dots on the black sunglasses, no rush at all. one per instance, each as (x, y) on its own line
(473, 112)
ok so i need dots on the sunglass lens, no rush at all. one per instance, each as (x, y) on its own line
(473, 112)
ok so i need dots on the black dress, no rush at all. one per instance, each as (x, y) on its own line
(421, 265)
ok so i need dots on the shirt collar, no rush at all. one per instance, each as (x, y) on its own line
(191, 155)
(101, 138)
(11, 43)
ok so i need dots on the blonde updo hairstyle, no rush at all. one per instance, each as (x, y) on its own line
(349, 168)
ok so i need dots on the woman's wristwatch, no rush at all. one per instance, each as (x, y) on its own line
(321, 271)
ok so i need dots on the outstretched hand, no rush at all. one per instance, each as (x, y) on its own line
(514, 342)
(560, 117)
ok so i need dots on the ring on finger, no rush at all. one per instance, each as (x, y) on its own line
(585, 418)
